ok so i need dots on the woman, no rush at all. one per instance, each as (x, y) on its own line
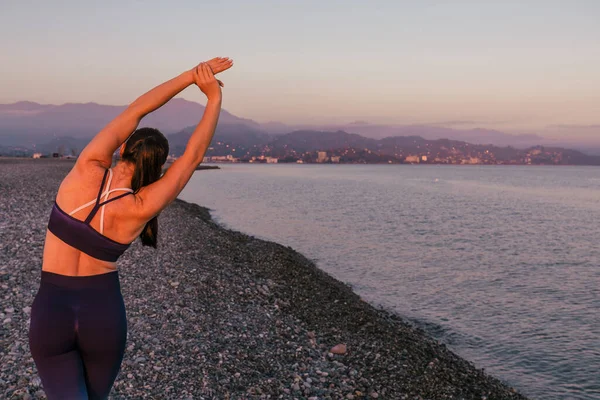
(78, 324)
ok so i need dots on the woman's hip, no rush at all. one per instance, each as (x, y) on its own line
(69, 311)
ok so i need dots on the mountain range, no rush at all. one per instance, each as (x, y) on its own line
(30, 125)
(26, 123)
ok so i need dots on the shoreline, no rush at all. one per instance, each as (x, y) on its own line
(354, 305)
(209, 165)
(216, 313)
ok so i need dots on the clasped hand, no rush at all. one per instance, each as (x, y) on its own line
(204, 76)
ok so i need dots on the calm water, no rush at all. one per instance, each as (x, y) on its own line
(500, 263)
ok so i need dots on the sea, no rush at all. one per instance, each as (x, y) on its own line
(501, 263)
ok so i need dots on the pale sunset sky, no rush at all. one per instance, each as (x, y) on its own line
(510, 65)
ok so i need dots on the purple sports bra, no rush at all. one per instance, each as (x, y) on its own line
(80, 234)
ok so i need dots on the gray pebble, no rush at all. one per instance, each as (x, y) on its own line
(248, 316)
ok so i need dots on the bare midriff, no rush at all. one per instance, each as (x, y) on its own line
(60, 258)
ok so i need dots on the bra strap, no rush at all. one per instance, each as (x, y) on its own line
(96, 207)
(104, 203)
(114, 198)
(102, 185)
(89, 203)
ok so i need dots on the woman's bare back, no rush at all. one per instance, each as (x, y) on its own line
(120, 224)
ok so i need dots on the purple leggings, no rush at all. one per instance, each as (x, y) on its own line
(77, 334)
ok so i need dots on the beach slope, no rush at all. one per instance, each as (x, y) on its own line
(215, 313)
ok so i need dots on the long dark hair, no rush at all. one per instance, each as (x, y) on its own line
(147, 149)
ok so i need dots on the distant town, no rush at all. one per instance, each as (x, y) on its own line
(29, 129)
(293, 148)
(534, 156)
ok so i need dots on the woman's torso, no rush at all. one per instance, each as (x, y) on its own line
(120, 223)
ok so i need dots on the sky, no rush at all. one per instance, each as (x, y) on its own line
(525, 66)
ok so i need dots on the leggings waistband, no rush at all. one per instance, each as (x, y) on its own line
(109, 280)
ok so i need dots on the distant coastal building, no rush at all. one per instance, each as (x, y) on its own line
(412, 159)
(227, 158)
(335, 159)
(471, 160)
(424, 158)
(262, 159)
(321, 156)
(37, 155)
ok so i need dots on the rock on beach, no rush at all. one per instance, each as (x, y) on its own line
(217, 314)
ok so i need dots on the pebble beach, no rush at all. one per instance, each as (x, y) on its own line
(218, 314)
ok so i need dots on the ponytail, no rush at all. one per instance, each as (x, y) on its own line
(147, 149)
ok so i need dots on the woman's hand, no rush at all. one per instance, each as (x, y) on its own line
(216, 65)
(205, 79)
(220, 64)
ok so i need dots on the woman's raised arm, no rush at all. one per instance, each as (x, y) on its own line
(156, 196)
(108, 140)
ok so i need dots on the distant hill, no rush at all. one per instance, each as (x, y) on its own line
(353, 148)
(33, 125)
(244, 137)
(431, 132)
(246, 142)
(28, 123)
(303, 141)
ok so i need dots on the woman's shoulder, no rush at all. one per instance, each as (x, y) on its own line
(89, 169)
(83, 178)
